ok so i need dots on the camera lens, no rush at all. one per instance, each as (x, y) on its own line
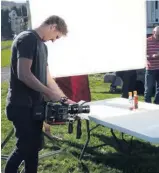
(77, 109)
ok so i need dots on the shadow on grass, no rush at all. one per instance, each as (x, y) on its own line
(117, 91)
(144, 157)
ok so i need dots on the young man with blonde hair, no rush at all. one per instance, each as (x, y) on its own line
(30, 82)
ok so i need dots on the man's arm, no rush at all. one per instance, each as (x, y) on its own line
(53, 86)
(58, 93)
(156, 55)
(26, 48)
(26, 76)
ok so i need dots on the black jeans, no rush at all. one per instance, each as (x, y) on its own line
(29, 139)
(129, 81)
(151, 79)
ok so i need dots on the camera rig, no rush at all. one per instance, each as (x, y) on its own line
(57, 113)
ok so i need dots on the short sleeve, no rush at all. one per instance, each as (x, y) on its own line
(26, 46)
(46, 50)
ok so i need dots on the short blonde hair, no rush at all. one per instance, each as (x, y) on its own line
(61, 25)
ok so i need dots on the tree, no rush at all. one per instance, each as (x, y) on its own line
(6, 30)
(24, 10)
(24, 14)
(18, 11)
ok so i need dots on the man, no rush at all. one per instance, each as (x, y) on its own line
(30, 82)
(152, 67)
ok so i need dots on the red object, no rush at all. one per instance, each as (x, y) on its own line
(135, 102)
(152, 48)
(75, 88)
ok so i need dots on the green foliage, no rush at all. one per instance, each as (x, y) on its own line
(17, 10)
(21, 11)
(24, 10)
(5, 44)
(5, 57)
(5, 53)
(6, 30)
(107, 159)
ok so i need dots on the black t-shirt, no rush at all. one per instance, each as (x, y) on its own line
(29, 45)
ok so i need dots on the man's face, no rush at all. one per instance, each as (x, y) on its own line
(53, 34)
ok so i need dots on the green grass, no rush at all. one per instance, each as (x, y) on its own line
(6, 43)
(5, 57)
(107, 159)
(5, 53)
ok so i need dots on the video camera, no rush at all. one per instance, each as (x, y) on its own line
(59, 113)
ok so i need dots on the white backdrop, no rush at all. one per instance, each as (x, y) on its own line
(103, 36)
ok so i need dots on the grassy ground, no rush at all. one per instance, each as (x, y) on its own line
(5, 53)
(5, 57)
(144, 158)
(6, 43)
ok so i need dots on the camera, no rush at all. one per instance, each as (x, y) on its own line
(59, 113)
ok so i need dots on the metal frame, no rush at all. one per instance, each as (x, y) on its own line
(119, 144)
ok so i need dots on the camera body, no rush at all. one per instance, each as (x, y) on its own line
(58, 113)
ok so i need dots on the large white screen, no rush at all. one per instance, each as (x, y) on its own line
(104, 35)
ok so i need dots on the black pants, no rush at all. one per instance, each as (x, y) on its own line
(29, 139)
(151, 79)
(129, 81)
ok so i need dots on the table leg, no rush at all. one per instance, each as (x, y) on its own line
(88, 139)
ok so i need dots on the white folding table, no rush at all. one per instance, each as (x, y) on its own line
(142, 123)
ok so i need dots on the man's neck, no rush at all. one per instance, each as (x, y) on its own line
(40, 32)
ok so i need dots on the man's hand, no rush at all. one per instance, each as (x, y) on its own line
(70, 102)
(155, 55)
(50, 96)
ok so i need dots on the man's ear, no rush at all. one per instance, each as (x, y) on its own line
(53, 27)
